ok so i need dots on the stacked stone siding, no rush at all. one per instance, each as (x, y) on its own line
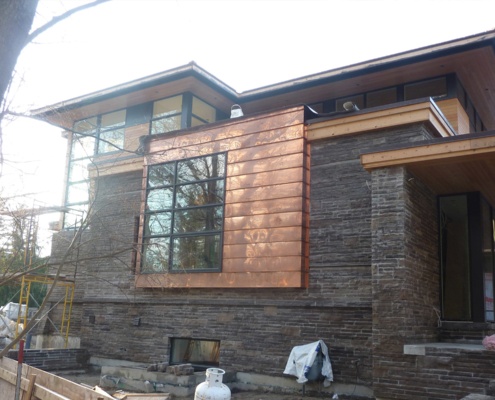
(373, 281)
(54, 359)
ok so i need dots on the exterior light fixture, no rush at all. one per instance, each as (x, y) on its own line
(350, 106)
(236, 111)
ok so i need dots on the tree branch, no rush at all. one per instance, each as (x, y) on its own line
(61, 17)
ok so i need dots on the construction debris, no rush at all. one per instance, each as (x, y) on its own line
(42, 385)
(182, 369)
(141, 396)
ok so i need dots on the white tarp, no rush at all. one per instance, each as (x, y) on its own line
(302, 358)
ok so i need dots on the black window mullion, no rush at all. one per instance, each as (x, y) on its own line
(193, 231)
(172, 219)
(186, 110)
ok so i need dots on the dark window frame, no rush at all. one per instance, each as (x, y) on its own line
(171, 236)
(474, 203)
(197, 364)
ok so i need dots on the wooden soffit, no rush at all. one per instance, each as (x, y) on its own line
(447, 165)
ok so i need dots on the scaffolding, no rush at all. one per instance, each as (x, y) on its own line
(25, 293)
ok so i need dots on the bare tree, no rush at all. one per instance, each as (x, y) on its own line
(16, 20)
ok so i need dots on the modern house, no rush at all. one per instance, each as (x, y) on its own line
(355, 206)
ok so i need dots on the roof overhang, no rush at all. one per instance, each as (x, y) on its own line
(471, 59)
(186, 78)
(451, 165)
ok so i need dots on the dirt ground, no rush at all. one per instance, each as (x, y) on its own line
(94, 380)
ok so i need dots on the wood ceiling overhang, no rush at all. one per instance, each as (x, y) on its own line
(451, 165)
(471, 58)
(187, 78)
(473, 63)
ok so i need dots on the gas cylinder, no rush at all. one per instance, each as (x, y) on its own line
(212, 388)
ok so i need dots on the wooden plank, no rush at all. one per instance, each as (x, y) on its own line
(455, 114)
(133, 134)
(474, 147)
(29, 392)
(371, 121)
(47, 386)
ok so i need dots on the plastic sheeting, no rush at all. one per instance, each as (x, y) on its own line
(301, 360)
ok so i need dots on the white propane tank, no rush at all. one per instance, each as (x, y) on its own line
(212, 388)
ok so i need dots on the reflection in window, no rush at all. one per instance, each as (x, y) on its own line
(179, 112)
(184, 215)
(199, 352)
(429, 88)
(467, 257)
(167, 115)
(101, 134)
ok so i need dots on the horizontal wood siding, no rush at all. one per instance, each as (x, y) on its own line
(265, 241)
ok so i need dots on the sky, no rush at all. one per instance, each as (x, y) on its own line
(245, 44)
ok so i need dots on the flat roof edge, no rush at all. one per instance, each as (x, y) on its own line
(150, 80)
(429, 51)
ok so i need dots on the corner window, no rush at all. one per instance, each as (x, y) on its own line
(467, 257)
(180, 112)
(183, 221)
(167, 115)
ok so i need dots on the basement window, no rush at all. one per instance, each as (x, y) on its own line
(201, 353)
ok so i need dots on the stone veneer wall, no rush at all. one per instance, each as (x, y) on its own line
(257, 327)
(54, 359)
(405, 278)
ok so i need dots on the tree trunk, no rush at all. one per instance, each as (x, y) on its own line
(16, 18)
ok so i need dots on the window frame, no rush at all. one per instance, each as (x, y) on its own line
(476, 268)
(171, 235)
(186, 113)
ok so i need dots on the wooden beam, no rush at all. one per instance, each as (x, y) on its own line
(468, 147)
(362, 122)
(30, 390)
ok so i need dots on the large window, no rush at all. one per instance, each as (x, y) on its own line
(100, 134)
(467, 257)
(184, 215)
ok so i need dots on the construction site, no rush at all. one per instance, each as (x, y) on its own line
(331, 236)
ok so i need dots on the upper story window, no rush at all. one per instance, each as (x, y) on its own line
(184, 215)
(180, 112)
(443, 87)
(167, 115)
(111, 131)
(100, 134)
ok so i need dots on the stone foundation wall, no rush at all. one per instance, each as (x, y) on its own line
(54, 360)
